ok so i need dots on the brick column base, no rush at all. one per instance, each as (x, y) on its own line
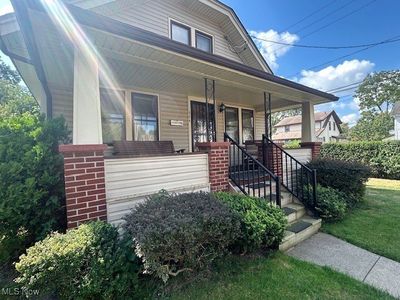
(273, 157)
(314, 146)
(218, 162)
(84, 183)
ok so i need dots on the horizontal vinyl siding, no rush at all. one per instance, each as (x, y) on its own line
(62, 100)
(154, 16)
(259, 124)
(174, 107)
(130, 180)
(303, 156)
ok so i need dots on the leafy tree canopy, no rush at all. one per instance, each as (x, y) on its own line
(8, 74)
(379, 91)
(372, 127)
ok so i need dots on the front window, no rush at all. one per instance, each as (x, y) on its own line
(145, 117)
(180, 33)
(112, 115)
(232, 122)
(204, 42)
(247, 125)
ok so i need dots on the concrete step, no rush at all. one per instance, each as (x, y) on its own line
(299, 231)
(294, 212)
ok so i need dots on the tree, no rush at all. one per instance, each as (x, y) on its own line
(379, 91)
(8, 74)
(372, 127)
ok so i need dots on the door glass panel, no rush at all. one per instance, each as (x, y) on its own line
(232, 122)
(112, 115)
(248, 125)
(145, 117)
(198, 119)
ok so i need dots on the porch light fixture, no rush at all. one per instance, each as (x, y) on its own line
(222, 107)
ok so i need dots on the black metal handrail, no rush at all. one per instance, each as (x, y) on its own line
(251, 176)
(297, 178)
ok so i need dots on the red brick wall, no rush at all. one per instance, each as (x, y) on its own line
(218, 164)
(84, 183)
(315, 148)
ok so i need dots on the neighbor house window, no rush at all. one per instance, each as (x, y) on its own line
(330, 126)
(112, 115)
(334, 126)
(204, 42)
(180, 33)
(287, 128)
(247, 125)
(145, 117)
(232, 122)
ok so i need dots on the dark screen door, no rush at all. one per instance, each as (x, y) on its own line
(198, 119)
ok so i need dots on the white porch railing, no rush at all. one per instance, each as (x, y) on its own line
(130, 180)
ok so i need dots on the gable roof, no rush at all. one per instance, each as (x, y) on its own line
(318, 116)
(293, 135)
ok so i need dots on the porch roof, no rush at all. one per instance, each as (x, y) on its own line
(165, 61)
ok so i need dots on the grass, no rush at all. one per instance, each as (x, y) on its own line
(374, 225)
(275, 277)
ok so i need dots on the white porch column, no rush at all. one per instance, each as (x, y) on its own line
(307, 123)
(87, 113)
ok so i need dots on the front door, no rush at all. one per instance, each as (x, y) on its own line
(198, 122)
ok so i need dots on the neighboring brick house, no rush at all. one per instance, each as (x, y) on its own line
(327, 128)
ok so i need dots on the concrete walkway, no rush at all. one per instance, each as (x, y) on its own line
(326, 250)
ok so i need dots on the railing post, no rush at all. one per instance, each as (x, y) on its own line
(278, 191)
(314, 172)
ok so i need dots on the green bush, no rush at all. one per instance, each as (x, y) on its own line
(331, 204)
(347, 177)
(176, 233)
(89, 262)
(31, 181)
(294, 144)
(382, 157)
(262, 225)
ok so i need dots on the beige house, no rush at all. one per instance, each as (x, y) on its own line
(178, 71)
(396, 115)
(327, 128)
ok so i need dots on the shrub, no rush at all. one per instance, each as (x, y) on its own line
(382, 157)
(31, 181)
(344, 176)
(294, 144)
(176, 233)
(89, 262)
(331, 204)
(262, 225)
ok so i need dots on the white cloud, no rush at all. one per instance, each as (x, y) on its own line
(332, 77)
(272, 51)
(351, 119)
(6, 9)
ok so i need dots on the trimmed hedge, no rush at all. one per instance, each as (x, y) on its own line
(183, 232)
(89, 262)
(382, 157)
(346, 177)
(262, 225)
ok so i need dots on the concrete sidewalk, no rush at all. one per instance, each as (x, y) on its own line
(326, 250)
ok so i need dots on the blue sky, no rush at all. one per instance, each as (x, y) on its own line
(354, 22)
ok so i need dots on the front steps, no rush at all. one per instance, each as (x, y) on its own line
(301, 226)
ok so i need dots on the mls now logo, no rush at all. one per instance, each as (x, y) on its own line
(19, 292)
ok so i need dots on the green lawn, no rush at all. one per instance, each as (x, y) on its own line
(375, 224)
(276, 277)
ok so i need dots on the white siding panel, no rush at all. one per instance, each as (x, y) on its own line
(302, 155)
(63, 104)
(130, 180)
(259, 125)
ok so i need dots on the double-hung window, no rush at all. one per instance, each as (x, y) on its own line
(145, 117)
(180, 33)
(112, 115)
(204, 42)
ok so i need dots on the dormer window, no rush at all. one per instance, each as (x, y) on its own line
(203, 41)
(180, 33)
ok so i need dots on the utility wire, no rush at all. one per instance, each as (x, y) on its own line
(328, 47)
(344, 86)
(340, 57)
(309, 15)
